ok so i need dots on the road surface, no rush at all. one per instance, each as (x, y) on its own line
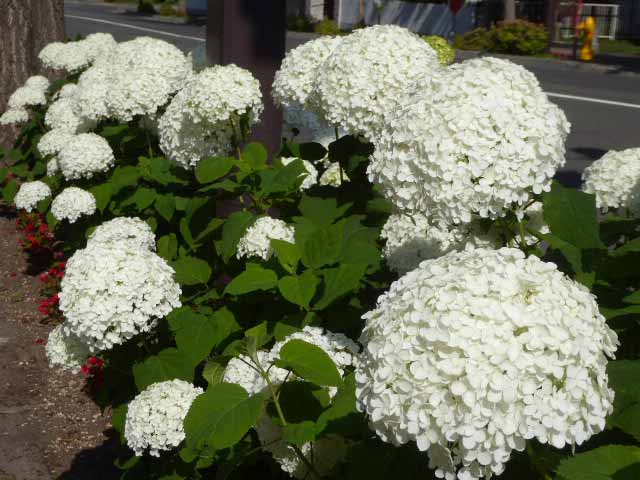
(602, 104)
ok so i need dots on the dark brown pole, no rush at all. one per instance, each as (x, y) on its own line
(251, 34)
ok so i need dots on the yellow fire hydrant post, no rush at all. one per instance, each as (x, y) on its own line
(588, 29)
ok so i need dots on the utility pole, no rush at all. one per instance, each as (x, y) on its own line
(251, 34)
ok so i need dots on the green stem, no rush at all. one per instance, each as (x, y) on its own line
(146, 132)
(523, 240)
(335, 129)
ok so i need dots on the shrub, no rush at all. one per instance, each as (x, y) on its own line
(446, 53)
(146, 7)
(478, 39)
(327, 27)
(299, 23)
(519, 37)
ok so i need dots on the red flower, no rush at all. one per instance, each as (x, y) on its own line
(40, 341)
(13, 274)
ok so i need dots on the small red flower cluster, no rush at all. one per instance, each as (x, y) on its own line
(50, 287)
(36, 236)
(93, 369)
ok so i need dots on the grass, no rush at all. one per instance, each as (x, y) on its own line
(619, 46)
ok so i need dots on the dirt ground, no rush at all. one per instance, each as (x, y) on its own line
(49, 428)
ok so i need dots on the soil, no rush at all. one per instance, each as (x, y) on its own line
(49, 428)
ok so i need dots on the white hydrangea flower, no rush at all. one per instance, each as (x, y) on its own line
(414, 237)
(52, 167)
(93, 92)
(65, 350)
(38, 82)
(295, 81)
(534, 220)
(324, 453)
(98, 46)
(124, 230)
(478, 142)
(70, 56)
(331, 176)
(72, 203)
(114, 291)
(256, 242)
(474, 353)
(26, 97)
(310, 178)
(366, 75)
(155, 416)
(62, 115)
(53, 141)
(615, 180)
(68, 90)
(30, 193)
(14, 116)
(85, 155)
(143, 74)
(199, 120)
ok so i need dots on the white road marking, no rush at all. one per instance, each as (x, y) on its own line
(593, 100)
(134, 27)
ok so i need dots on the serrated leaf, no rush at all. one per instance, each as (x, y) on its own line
(257, 336)
(168, 246)
(144, 197)
(338, 282)
(252, 279)
(309, 362)
(611, 462)
(299, 433)
(213, 372)
(322, 211)
(611, 313)
(123, 177)
(572, 216)
(185, 232)
(211, 169)
(9, 191)
(255, 155)
(342, 404)
(102, 194)
(299, 289)
(166, 365)
(287, 254)
(234, 228)
(221, 416)
(166, 206)
(191, 271)
(623, 378)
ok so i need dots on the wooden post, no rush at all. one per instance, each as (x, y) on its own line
(251, 34)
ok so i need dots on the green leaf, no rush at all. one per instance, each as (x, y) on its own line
(611, 313)
(322, 211)
(299, 433)
(123, 177)
(221, 416)
(199, 334)
(252, 279)
(287, 254)
(103, 194)
(633, 298)
(255, 155)
(168, 246)
(4, 171)
(623, 378)
(185, 232)
(191, 271)
(166, 206)
(51, 221)
(343, 404)
(309, 362)
(629, 247)
(234, 228)
(167, 365)
(144, 197)
(611, 462)
(299, 289)
(211, 169)
(213, 372)
(257, 336)
(9, 191)
(322, 248)
(301, 401)
(338, 282)
(285, 179)
(312, 151)
(112, 131)
(212, 226)
(572, 216)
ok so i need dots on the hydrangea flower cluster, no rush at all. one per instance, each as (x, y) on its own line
(203, 118)
(331, 176)
(72, 203)
(65, 350)
(479, 141)
(256, 242)
(155, 416)
(446, 53)
(412, 238)
(129, 231)
(85, 155)
(310, 178)
(615, 180)
(53, 141)
(473, 353)
(367, 74)
(327, 451)
(30, 193)
(70, 56)
(14, 116)
(31, 94)
(114, 291)
(62, 115)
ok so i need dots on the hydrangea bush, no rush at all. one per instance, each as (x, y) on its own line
(430, 304)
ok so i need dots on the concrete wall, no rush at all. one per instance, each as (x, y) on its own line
(422, 18)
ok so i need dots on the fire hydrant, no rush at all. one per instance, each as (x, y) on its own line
(588, 29)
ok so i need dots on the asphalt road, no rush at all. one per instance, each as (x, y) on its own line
(596, 126)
